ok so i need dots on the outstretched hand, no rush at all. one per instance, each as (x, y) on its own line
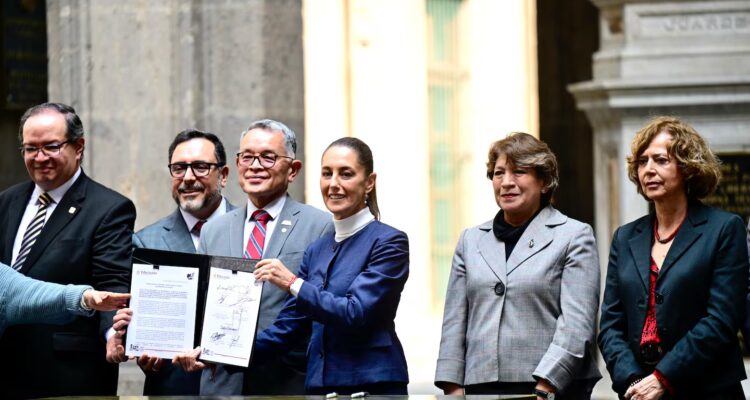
(105, 301)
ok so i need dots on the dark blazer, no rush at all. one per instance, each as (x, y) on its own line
(348, 300)
(700, 296)
(169, 233)
(746, 327)
(86, 241)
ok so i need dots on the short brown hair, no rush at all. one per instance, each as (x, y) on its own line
(699, 166)
(526, 151)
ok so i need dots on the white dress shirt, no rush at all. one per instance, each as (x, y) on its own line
(33, 205)
(191, 220)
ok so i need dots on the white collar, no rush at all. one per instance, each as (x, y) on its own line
(273, 208)
(350, 225)
(57, 193)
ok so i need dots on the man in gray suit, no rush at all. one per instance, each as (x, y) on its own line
(197, 163)
(266, 164)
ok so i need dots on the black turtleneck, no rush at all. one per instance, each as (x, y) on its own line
(508, 233)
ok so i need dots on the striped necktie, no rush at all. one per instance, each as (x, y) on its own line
(33, 230)
(254, 248)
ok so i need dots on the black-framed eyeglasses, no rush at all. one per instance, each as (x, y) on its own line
(266, 159)
(200, 168)
(49, 150)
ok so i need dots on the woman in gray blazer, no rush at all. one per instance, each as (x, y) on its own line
(523, 293)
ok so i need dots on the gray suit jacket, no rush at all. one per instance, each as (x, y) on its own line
(544, 323)
(298, 225)
(169, 233)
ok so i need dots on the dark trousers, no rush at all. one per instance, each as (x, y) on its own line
(380, 388)
(577, 390)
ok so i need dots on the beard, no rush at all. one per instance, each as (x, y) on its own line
(198, 204)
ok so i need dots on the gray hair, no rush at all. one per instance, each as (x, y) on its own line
(290, 138)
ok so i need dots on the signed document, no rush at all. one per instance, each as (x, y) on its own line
(231, 316)
(164, 310)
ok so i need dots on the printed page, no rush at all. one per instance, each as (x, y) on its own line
(231, 316)
(164, 309)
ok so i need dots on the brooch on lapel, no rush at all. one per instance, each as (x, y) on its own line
(285, 222)
(531, 243)
(71, 210)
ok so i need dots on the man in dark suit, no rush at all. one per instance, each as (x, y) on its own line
(62, 227)
(198, 165)
(266, 165)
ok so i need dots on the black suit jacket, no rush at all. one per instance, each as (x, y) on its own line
(86, 240)
(702, 287)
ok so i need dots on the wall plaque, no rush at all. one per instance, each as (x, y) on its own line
(733, 193)
(24, 67)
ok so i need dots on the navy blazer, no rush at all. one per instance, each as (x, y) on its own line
(700, 302)
(349, 300)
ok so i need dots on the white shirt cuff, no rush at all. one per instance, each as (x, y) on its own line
(108, 334)
(296, 287)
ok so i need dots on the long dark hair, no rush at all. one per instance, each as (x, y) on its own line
(364, 158)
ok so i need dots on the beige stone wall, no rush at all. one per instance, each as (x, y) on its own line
(139, 72)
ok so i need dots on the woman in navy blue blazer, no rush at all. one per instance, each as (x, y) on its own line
(348, 288)
(677, 278)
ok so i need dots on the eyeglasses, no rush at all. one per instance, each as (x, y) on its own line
(49, 150)
(266, 159)
(200, 168)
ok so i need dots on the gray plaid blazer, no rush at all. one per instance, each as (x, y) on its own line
(542, 326)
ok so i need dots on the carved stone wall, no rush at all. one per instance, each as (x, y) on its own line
(686, 58)
(138, 72)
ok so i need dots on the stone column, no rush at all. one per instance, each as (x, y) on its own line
(685, 58)
(139, 72)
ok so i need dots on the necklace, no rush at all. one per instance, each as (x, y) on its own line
(668, 238)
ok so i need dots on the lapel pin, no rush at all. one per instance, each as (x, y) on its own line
(286, 222)
(283, 230)
(531, 243)
(71, 210)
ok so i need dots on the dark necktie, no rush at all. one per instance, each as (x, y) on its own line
(197, 228)
(254, 248)
(33, 230)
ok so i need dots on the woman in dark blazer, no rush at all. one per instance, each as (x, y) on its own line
(677, 278)
(523, 293)
(348, 288)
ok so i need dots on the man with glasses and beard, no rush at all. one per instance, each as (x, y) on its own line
(197, 164)
(270, 225)
(62, 227)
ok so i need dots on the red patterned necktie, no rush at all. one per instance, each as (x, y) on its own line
(254, 248)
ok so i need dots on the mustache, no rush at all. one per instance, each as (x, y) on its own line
(195, 186)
